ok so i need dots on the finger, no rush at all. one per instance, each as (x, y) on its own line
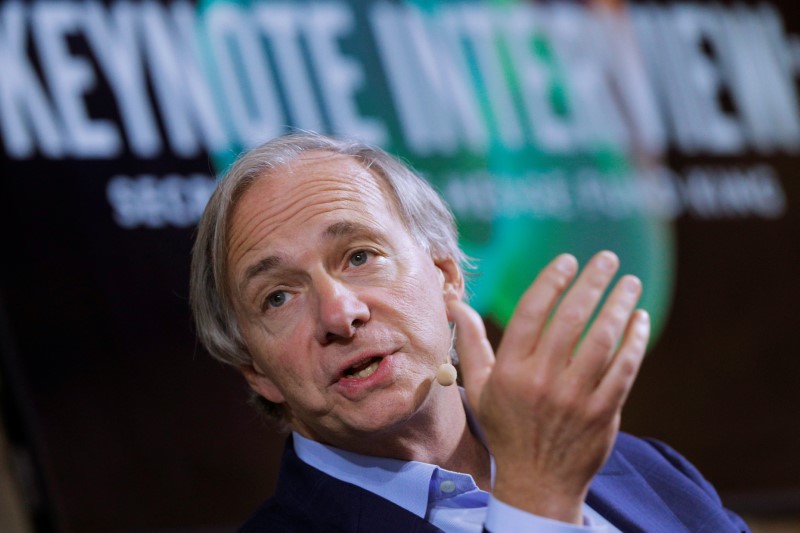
(534, 308)
(624, 367)
(604, 335)
(475, 354)
(577, 307)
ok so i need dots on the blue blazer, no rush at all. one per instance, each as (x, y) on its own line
(645, 486)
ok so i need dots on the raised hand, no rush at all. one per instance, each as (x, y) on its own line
(550, 402)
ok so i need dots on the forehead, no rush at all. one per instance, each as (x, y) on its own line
(315, 189)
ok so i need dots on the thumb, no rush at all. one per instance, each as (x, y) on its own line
(475, 354)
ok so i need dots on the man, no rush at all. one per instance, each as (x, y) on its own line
(330, 274)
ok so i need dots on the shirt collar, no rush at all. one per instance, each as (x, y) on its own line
(404, 483)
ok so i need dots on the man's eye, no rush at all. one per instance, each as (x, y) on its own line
(359, 258)
(276, 299)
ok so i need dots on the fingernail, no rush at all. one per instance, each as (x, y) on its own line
(606, 261)
(565, 263)
(631, 284)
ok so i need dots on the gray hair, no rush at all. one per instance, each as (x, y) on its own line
(420, 207)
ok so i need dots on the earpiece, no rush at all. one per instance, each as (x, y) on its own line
(448, 291)
(441, 275)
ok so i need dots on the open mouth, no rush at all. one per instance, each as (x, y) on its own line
(364, 369)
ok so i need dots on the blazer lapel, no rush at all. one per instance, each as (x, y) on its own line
(378, 514)
(339, 505)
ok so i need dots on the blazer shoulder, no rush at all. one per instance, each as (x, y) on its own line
(676, 480)
(654, 453)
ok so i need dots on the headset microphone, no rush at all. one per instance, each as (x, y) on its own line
(446, 374)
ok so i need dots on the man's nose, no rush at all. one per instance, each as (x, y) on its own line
(341, 310)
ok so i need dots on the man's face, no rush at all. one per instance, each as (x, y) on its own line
(341, 308)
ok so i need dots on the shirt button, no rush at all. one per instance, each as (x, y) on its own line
(447, 486)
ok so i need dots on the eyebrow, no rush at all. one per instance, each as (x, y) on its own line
(335, 230)
(261, 267)
(346, 229)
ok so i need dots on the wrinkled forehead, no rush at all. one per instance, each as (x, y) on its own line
(340, 173)
(320, 177)
(313, 185)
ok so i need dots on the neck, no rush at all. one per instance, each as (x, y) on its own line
(441, 436)
(437, 434)
(470, 456)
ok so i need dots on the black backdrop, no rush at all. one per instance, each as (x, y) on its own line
(132, 427)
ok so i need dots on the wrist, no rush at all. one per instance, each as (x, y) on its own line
(541, 499)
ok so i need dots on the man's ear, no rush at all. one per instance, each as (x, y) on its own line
(260, 383)
(453, 278)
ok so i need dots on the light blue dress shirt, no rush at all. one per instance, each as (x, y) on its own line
(449, 500)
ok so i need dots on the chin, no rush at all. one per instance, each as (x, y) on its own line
(391, 412)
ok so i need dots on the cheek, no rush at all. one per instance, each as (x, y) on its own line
(282, 357)
(290, 375)
(422, 309)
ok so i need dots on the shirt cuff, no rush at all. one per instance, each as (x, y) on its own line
(502, 518)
